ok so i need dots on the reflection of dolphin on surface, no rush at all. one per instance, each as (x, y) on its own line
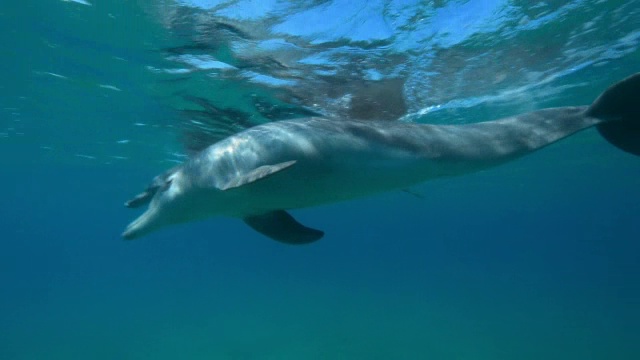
(259, 173)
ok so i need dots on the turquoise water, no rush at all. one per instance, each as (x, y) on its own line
(537, 259)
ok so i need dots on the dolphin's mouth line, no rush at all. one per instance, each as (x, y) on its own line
(139, 226)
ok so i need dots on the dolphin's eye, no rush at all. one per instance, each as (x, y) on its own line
(166, 185)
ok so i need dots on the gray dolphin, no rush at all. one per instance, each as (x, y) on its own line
(258, 174)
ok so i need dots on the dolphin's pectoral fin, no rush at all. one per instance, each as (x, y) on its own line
(256, 174)
(282, 227)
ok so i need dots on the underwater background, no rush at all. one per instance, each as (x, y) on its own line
(536, 259)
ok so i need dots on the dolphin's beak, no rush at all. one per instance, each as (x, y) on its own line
(143, 225)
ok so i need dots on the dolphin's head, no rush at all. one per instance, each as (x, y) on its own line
(168, 198)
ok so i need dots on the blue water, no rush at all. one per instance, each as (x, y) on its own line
(537, 259)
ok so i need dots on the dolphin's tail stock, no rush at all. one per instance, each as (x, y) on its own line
(619, 109)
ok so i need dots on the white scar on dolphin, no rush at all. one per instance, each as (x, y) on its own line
(258, 174)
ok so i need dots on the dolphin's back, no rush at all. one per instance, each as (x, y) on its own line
(443, 149)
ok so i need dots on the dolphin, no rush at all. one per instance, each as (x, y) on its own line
(260, 173)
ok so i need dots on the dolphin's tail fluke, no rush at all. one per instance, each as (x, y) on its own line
(619, 109)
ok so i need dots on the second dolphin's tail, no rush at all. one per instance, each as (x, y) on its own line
(619, 109)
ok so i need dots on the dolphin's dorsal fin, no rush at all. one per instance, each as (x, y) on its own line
(256, 174)
(282, 227)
